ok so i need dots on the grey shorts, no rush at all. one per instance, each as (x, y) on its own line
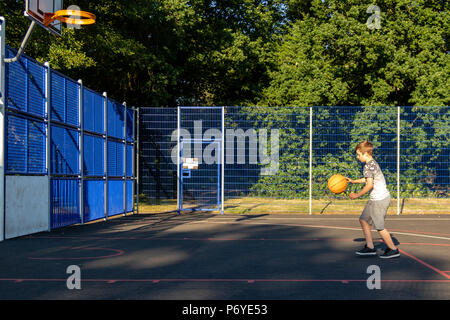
(374, 212)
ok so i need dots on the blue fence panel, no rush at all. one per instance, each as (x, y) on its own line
(58, 97)
(93, 153)
(72, 102)
(425, 152)
(112, 158)
(36, 147)
(36, 89)
(25, 85)
(115, 159)
(120, 157)
(16, 84)
(64, 151)
(93, 112)
(337, 131)
(241, 177)
(130, 125)
(65, 202)
(158, 141)
(16, 149)
(116, 121)
(130, 195)
(64, 99)
(94, 200)
(129, 160)
(25, 145)
(115, 197)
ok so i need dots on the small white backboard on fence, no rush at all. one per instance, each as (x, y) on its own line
(190, 163)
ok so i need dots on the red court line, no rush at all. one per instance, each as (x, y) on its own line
(425, 264)
(293, 225)
(111, 281)
(118, 253)
(427, 244)
(211, 239)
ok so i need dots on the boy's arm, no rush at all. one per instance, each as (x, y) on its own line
(362, 180)
(363, 191)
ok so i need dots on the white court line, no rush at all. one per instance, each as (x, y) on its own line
(337, 219)
(321, 227)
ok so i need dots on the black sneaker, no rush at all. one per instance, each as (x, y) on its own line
(366, 251)
(389, 253)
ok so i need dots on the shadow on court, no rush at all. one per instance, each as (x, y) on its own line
(220, 257)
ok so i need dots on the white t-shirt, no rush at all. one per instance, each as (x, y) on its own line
(373, 170)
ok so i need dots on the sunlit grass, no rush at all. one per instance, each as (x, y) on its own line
(251, 205)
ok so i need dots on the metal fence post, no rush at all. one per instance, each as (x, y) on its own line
(137, 160)
(48, 140)
(2, 128)
(178, 159)
(223, 160)
(310, 158)
(133, 161)
(81, 151)
(398, 160)
(125, 159)
(105, 127)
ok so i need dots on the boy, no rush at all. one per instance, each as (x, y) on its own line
(377, 206)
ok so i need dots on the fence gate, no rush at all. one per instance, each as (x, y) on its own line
(200, 149)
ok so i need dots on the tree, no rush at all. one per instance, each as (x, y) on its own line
(162, 52)
(330, 56)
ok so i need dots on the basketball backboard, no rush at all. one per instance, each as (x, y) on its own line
(35, 10)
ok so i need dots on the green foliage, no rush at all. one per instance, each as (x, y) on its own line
(161, 52)
(272, 52)
(330, 57)
(67, 53)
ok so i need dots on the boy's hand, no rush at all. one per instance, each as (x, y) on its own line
(349, 180)
(353, 195)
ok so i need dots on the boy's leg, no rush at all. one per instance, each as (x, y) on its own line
(381, 208)
(367, 233)
(365, 220)
(387, 239)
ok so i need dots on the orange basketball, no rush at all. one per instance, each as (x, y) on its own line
(337, 183)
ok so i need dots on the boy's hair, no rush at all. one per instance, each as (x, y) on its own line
(365, 147)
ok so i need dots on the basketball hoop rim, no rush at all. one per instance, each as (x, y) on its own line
(61, 15)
